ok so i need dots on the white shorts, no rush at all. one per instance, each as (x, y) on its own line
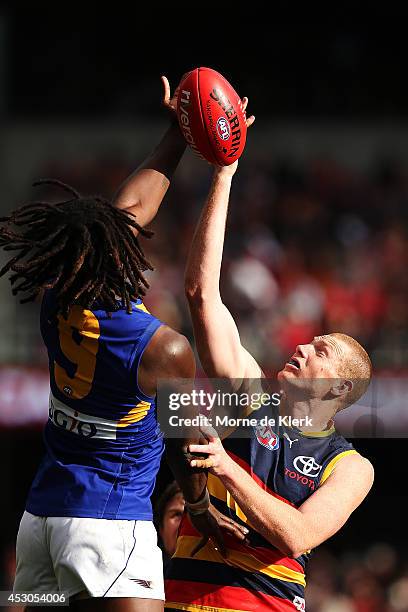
(106, 558)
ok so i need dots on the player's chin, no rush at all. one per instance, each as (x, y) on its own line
(285, 375)
(288, 371)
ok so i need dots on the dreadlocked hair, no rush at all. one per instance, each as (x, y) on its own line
(83, 248)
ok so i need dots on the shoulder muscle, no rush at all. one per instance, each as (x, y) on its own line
(168, 355)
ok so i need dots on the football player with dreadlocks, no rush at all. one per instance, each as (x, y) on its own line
(87, 529)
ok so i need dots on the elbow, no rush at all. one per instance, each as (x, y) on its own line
(290, 547)
(295, 554)
(194, 292)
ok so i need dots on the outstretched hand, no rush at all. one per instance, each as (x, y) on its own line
(230, 170)
(169, 102)
(249, 120)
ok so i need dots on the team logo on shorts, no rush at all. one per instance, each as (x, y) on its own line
(147, 584)
(266, 437)
(223, 128)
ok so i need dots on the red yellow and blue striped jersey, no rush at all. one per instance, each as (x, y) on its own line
(254, 576)
(103, 443)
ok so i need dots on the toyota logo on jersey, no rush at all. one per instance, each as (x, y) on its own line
(267, 437)
(307, 466)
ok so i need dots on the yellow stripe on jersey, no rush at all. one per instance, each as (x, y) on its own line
(247, 562)
(217, 489)
(135, 414)
(318, 434)
(196, 608)
(332, 464)
(142, 307)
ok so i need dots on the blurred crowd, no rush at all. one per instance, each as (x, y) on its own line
(309, 247)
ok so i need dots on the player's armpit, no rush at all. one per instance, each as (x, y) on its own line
(328, 509)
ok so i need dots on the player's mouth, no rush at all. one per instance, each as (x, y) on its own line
(293, 363)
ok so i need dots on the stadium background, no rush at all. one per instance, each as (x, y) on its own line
(317, 237)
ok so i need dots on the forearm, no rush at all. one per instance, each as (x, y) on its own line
(192, 482)
(278, 522)
(204, 262)
(143, 191)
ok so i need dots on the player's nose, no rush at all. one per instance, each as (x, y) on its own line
(301, 350)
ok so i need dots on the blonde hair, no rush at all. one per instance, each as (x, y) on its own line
(356, 367)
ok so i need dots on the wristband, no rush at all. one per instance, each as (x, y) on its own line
(200, 506)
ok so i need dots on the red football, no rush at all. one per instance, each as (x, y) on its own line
(211, 116)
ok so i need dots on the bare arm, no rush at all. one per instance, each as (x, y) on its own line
(293, 530)
(143, 191)
(169, 357)
(218, 342)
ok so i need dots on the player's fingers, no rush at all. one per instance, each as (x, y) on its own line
(202, 463)
(166, 90)
(198, 448)
(199, 546)
(229, 523)
(234, 530)
(250, 121)
(244, 530)
(244, 103)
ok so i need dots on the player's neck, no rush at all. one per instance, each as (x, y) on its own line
(313, 414)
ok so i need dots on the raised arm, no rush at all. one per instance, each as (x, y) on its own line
(143, 191)
(218, 343)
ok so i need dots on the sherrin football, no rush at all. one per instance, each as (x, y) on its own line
(211, 116)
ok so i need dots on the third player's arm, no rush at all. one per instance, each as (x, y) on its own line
(169, 358)
(218, 343)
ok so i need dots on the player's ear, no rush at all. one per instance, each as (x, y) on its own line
(341, 387)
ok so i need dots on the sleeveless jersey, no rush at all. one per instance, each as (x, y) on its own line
(289, 465)
(103, 443)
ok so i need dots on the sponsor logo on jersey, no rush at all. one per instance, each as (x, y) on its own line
(266, 437)
(285, 435)
(307, 466)
(304, 480)
(79, 423)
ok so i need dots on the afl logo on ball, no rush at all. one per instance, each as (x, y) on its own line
(223, 128)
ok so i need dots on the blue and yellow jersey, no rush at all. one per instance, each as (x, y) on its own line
(254, 576)
(103, 443)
